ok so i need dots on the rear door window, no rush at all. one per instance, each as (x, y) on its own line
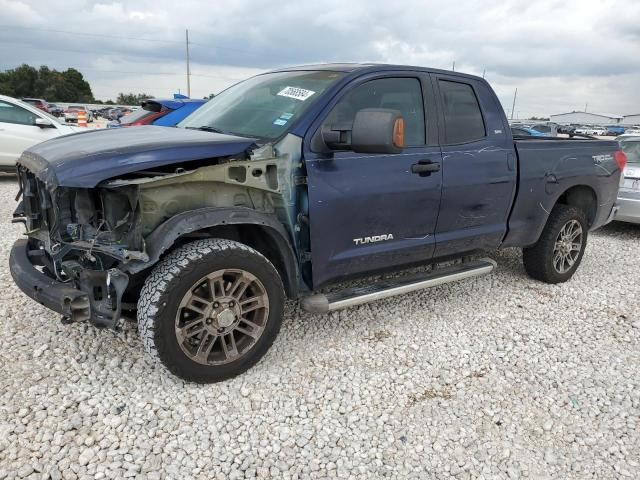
(463, 120)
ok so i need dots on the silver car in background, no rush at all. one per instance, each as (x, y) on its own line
(629, 193)
(71, 113)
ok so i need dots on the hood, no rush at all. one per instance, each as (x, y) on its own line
(85, 159)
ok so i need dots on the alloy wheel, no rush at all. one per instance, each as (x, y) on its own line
(222, 316)
(567, 246)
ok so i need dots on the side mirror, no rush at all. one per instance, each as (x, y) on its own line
(374, 130)
(378, 130)
(43, 123)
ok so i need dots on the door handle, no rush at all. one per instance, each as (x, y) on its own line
(425, 168)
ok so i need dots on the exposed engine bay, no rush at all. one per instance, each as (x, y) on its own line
(100, 239)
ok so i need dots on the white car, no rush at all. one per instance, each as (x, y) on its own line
(23, 125)
(588, 130)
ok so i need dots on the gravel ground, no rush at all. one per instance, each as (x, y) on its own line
(495, 377)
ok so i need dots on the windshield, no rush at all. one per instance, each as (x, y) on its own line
(542, 128)
(263, 106)
(631, 148)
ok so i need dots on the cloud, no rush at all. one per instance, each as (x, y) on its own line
(560, 54)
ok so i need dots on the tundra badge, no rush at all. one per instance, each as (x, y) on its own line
(373, 239)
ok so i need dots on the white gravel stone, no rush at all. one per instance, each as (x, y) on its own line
(495, 377)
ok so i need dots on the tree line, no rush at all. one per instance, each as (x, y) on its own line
(47, 83)
(68, 86)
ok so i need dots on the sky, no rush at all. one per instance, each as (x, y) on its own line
(560, 54)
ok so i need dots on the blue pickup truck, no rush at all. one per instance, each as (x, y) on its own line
(288, 182)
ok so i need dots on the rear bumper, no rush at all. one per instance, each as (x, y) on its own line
(629, 210)
(51, 293)
(612, 214)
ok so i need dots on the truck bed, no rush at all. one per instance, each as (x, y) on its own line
(547, 167)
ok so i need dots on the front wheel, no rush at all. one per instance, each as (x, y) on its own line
(211, 309)
(555, 257)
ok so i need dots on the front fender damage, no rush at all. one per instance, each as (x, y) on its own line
(105, 240)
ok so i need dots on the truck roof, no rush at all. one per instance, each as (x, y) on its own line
(372, 67)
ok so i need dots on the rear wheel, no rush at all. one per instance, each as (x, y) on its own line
(211, 309)
(555, 257)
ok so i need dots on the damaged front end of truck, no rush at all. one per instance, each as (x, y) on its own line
(90, 244)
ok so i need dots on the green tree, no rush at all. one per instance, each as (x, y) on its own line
(50, 84)
(22, 81)
(74, 79)
(131, 98)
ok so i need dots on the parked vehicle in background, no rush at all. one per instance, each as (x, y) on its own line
(288, 182)
(615, 130)
(629, 193)
(517, 131)
(71, 113)
(38, 103)
(165, 113)
(600, 131)
(21, 126)
(117, 113)
(547, 129)
(56, 110)
(567, 130)
(101, 112)
(590, 130)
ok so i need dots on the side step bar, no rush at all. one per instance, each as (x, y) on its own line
(320, 303)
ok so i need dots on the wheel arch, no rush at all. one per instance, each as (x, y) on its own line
(583, 197)
(258, 230)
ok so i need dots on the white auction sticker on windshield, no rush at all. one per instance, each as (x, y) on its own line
(295, 92)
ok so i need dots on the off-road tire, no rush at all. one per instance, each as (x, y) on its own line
(538, 259)
(170, 280)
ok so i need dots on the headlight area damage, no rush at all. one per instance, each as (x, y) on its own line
(100, 242)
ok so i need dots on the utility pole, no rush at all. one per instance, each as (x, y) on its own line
(483, 72)
(514, 103)
(453, 68)
(585, 107)
(188, 71)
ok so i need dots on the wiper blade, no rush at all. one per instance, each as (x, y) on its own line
(206, 128)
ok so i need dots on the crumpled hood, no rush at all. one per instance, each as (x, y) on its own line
(83, 160)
